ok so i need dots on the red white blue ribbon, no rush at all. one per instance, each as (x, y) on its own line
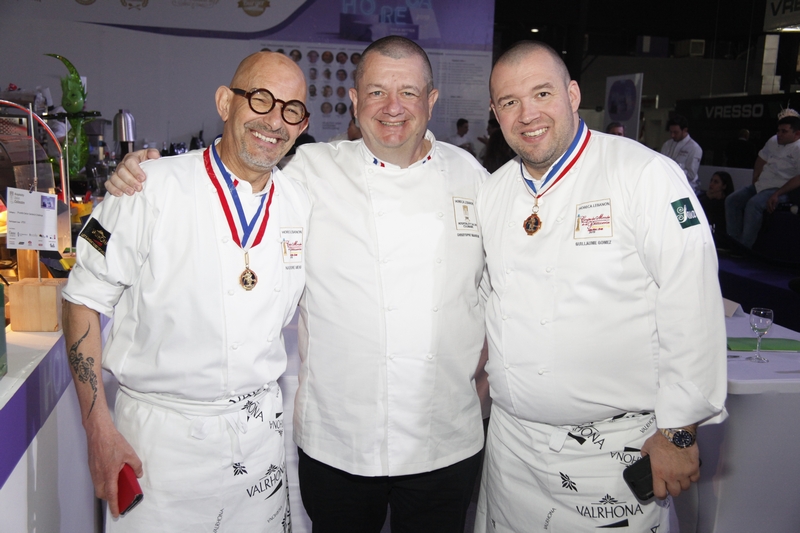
(564, 164)
(241, 228)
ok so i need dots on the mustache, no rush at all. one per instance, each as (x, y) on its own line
(281, 132)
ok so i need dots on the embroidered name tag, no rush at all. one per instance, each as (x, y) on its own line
(593, 219)
(292, 245)
(96, 235)
(464, 211)
(685, 213)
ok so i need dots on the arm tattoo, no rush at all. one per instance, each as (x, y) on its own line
(84, 368)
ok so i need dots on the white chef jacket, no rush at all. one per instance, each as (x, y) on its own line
(613, 306)
(687, 154)
(183, 326)
(391, 322)
(783, 163)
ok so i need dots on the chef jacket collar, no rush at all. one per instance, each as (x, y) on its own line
(244, 187)
(371, 159)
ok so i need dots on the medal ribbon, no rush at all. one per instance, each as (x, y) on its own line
(246, 226)
(564, 164)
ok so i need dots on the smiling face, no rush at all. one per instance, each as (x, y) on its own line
(536, 106)
(252, 144)
(393, 106)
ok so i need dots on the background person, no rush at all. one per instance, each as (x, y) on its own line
(777, 165)
(615, 128)
(682, 149)
(713, 203)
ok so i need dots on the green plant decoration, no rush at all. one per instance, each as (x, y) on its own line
(73, 98)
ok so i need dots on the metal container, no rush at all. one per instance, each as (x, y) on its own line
(124, 131)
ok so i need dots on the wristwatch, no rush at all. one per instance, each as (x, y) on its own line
(680, 437)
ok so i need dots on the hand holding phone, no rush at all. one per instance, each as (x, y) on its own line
(129, 493)
(639, 477)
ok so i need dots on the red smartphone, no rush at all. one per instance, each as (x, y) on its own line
(129, 493)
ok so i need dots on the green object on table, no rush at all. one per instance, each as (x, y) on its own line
(748, 344)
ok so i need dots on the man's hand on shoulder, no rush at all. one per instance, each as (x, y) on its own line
(129, 175)
(674, 468)
(108, 453)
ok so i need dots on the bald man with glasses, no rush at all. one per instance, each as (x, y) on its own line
(200, 271)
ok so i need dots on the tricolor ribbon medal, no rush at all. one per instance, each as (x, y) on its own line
(533, 223)
(241, 228)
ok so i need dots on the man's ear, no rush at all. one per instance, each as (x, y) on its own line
(432, 97)
(223, 99)
(354, 99)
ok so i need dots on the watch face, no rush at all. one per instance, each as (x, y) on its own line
(682, 438)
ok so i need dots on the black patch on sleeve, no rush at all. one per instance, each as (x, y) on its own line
(96, 235)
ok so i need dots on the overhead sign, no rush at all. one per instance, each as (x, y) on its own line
(781, 14)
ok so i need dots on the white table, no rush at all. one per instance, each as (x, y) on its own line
(751, 471)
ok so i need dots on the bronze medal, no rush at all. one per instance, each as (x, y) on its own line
(532, 224)
(248, 279)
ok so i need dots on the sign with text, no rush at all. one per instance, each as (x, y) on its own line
(32, 223)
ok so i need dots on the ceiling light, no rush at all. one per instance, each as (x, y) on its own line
(534, 30)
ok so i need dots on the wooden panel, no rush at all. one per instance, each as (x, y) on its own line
(36, 305)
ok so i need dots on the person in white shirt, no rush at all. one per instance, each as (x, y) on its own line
(391, 321)
(682, 149)
(200, 272)
(461, 138)
(776, 172)
(604, 319)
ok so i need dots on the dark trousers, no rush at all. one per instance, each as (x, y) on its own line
(431, 502)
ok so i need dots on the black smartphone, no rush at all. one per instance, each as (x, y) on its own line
(639, 478)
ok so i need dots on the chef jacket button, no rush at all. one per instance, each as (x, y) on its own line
(391, 356)
(559, 219)
(510, 224)
(429, 356)
(543, 321)
(508, 271)
(269, 339)
(380, 213)
(507, 366)
(541, 371)
(277, 288)
(440, 214)
(386, 260)
(549, 269)
(234, 346)
(371, 171)
(225, 239)
(230, 292)
(438, 259)
(389, 308)
(233, 393)
(505, 317)
(435, 309)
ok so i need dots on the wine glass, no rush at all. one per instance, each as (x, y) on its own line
(760, 322)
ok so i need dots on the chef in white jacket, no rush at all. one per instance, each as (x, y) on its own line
(605, 322)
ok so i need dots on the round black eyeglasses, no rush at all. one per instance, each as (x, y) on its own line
(262, 102)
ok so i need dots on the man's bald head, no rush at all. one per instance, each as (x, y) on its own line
(262, 66)
(523, 49)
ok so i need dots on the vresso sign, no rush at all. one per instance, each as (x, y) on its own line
(735, 110)
(781, 13)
